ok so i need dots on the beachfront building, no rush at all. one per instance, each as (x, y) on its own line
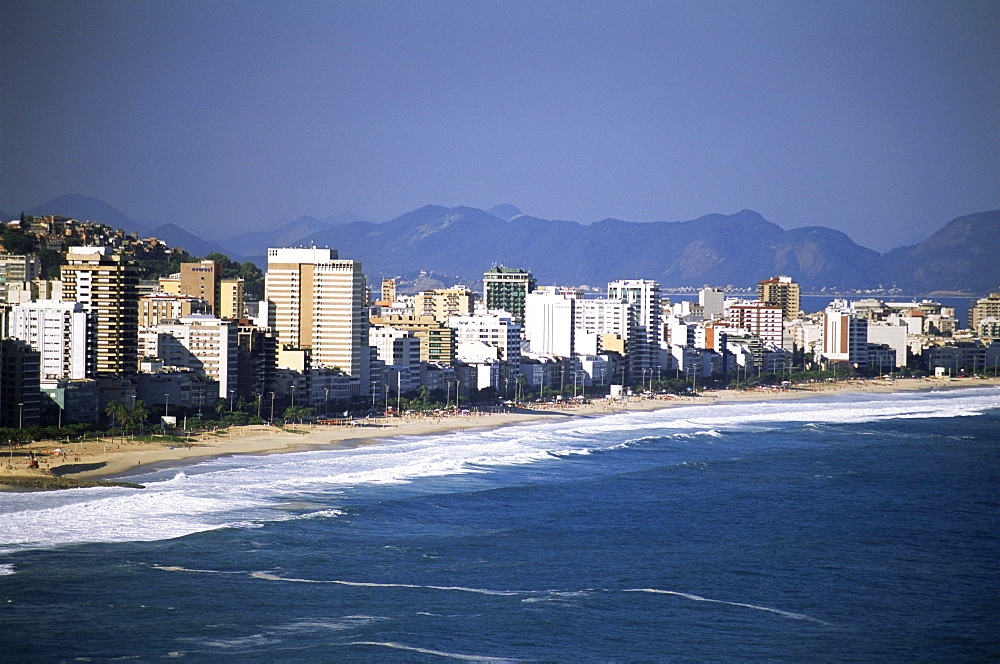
(760, 318)
(256, 360)
(549, 320)
(106, 285)
(20, 396)
(643, 296)
(395, 347)
(505, 289)
(175, 388)
(75, 400)
(845, 334)
(58, 331)
(602, 324)
(319, 305)
(499, 331)
(206, 345)
(892, 334)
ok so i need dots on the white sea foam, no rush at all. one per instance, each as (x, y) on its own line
(7, 569)
(266, 576)
(344, 623)
(699, 598)
(245, 491)
(427, 651)
(176, 568)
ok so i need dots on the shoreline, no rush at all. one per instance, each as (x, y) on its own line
(109, 461)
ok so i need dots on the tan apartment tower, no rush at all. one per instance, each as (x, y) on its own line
(204, 280)
(987, 307)
(781, 292)
(445, 303)
(107, 286)
(319, 304)
(388, 291)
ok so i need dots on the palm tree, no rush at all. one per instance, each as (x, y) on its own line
(139, 414)
(521, 383)
(118, 413)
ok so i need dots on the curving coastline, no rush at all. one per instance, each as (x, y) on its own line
(105, 462)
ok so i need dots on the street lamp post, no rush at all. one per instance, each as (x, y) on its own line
(166, 405)
(272, 409)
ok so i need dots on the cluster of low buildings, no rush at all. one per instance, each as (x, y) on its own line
(321, 338)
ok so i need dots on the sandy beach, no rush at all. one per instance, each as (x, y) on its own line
(109, 458)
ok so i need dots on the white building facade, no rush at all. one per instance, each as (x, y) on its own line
(58, 331)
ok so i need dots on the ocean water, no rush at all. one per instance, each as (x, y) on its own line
(862, 527)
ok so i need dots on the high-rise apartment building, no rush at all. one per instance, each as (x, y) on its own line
(494, 330)
(319, 305)
(643, 296)
(437, 340)
(444, 303)
(783, 292)
(388, 291)
(549, 320)
(987, 307)
(599, 320)
(204, 344)
(156, 307)
(58, 331)
(204, 280)
(762, 320)
(395, 347)
(504, 289)
(845, 334)
(20, 395)
(107, 287)
(17, 269)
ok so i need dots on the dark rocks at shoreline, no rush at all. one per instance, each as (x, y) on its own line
(46, 482)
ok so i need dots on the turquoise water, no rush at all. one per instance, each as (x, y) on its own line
(859, 527)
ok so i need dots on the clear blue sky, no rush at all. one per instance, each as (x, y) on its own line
(881, 119)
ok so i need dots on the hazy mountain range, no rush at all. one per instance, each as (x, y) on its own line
(738, 249)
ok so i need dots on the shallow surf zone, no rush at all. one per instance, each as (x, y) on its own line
(248, 491)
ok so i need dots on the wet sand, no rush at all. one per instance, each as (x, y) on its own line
(115, 458)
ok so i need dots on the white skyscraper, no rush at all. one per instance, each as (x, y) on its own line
(549, 315)
(643, 296)
(845, 334)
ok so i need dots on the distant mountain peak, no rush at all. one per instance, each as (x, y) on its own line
(505, 211)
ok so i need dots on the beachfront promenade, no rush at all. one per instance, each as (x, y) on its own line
(117, 457)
